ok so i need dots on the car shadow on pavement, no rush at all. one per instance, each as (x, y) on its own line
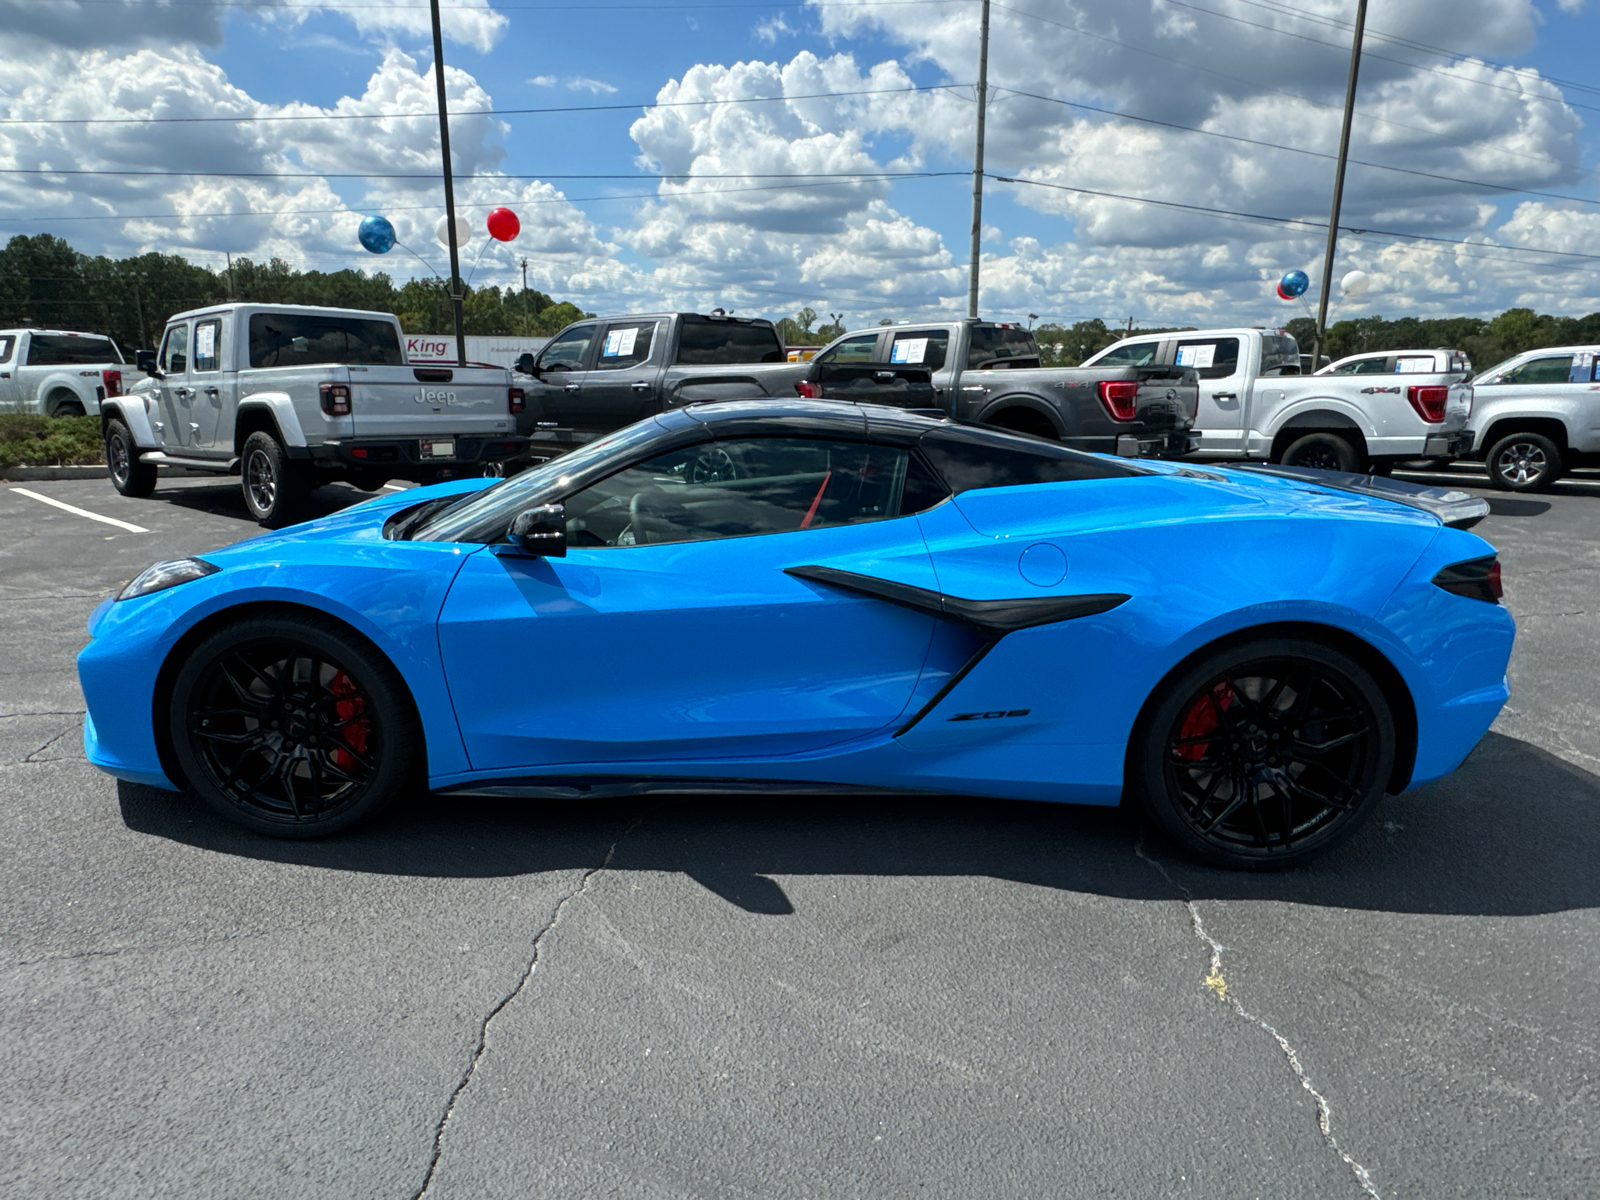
(1515, 832)
(1517, 508)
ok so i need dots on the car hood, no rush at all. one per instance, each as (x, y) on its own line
(359, 522)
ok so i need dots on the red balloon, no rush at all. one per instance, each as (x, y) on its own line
(503, 224)
(1282, 295)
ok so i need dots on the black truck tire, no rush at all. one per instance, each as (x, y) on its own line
(275, 488)
(128, 475)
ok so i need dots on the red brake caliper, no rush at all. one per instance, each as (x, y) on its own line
(1201, 719)
(355, 733)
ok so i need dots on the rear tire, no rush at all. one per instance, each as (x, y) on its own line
(275, 488)
(293, 726)
(1262, 755)
(1323, 452)
(128, 475)
(68, 408)
(1524, 462)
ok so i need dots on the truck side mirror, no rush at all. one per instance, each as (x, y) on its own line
(541, 532)
(526, 364)
(145, 360)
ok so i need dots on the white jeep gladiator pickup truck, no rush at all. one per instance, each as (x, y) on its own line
(57, 373)
(1255, 404)
(291, 397)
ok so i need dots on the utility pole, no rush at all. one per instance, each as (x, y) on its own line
(138, 305)
(977, 160)
(1338, 184)
(527, 313)
(449, 186)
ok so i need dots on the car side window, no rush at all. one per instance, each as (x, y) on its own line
(858, 349)
(920, 348)
(626, 344)
(175, 350)
(1363, 366)
(568, 351)
(742, 488)
(1135, 354)
(1555, 369)
(7, 345)
(1216, 358)
(207, 344)
(970, 459)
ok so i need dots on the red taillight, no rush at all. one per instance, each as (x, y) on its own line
(335, 399)
(1428, 400)
(1477, 579)
(514, 399)
(1121, 398)
(808, 389)
(113, 382)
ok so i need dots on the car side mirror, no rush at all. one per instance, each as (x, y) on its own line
(145, 360)
(527, 365)
(541, 532)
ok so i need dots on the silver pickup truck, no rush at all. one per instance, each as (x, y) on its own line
(984, 373)
(290, 397)
(1536, 415)
(599, 375)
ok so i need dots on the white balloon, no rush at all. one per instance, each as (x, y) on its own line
(1355, 284)
(463, 231)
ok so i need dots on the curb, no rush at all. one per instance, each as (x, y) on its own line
(21, 474)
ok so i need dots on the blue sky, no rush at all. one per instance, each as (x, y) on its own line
(870, 250)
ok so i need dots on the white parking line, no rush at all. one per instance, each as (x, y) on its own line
(82, 512)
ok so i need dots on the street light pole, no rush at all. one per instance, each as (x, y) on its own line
(977, 160)
(449, 185)
(1338, 184)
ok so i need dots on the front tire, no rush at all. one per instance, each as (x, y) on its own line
(275, 489)
(293, 727)
(1260, 756)
(1324, 452)
(128, 475)
(1524, 462)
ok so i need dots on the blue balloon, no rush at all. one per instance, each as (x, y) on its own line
(1294, 283)
(377, 235)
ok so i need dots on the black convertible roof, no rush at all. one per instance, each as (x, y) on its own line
(811, 418)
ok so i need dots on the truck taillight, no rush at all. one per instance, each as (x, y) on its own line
(1121, 398)
(808, 389)
(335, 399)
(113, 382)
(1476, 579)
(514, 399)
(1429, 400)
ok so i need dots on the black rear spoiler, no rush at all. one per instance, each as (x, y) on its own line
(1453, 507)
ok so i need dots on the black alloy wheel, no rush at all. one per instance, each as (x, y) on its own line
(294, 728)
(1524, 462)
(128, 475)
(276, 489)
(1264, 755)
(1323, 452)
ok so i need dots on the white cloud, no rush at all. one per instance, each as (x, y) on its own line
(770, 30)
(543, 81)
(598, 87)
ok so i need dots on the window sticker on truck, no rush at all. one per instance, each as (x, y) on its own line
(909, 350)
(1584, 367)
(1199, 357)
(1414, 365)
(619, 342)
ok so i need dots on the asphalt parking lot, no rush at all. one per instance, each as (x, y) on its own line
(788, 997)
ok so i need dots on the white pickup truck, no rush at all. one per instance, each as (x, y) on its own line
(1255, 404)
(57, 373)
(290, 397)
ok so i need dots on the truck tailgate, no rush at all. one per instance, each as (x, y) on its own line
(418, 400)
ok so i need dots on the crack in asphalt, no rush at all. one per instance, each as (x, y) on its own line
(1218, 985)
(142, 947)
(73, 712)
(34, 757)
(522, 982)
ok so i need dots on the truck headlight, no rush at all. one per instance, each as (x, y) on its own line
(167, 574)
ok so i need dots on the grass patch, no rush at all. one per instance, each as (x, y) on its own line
(30, 441)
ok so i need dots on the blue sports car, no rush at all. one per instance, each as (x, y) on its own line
(820, 596)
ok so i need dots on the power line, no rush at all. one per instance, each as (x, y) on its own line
(472, 112)
(1269, 219)
(1380, 57)
(433, 176)
(1251, 83)
(499, 7)
(1483, 183)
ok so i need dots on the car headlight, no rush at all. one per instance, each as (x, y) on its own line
(167, 574)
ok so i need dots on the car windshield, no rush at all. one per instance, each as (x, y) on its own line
(63, 349)
(485, 516)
